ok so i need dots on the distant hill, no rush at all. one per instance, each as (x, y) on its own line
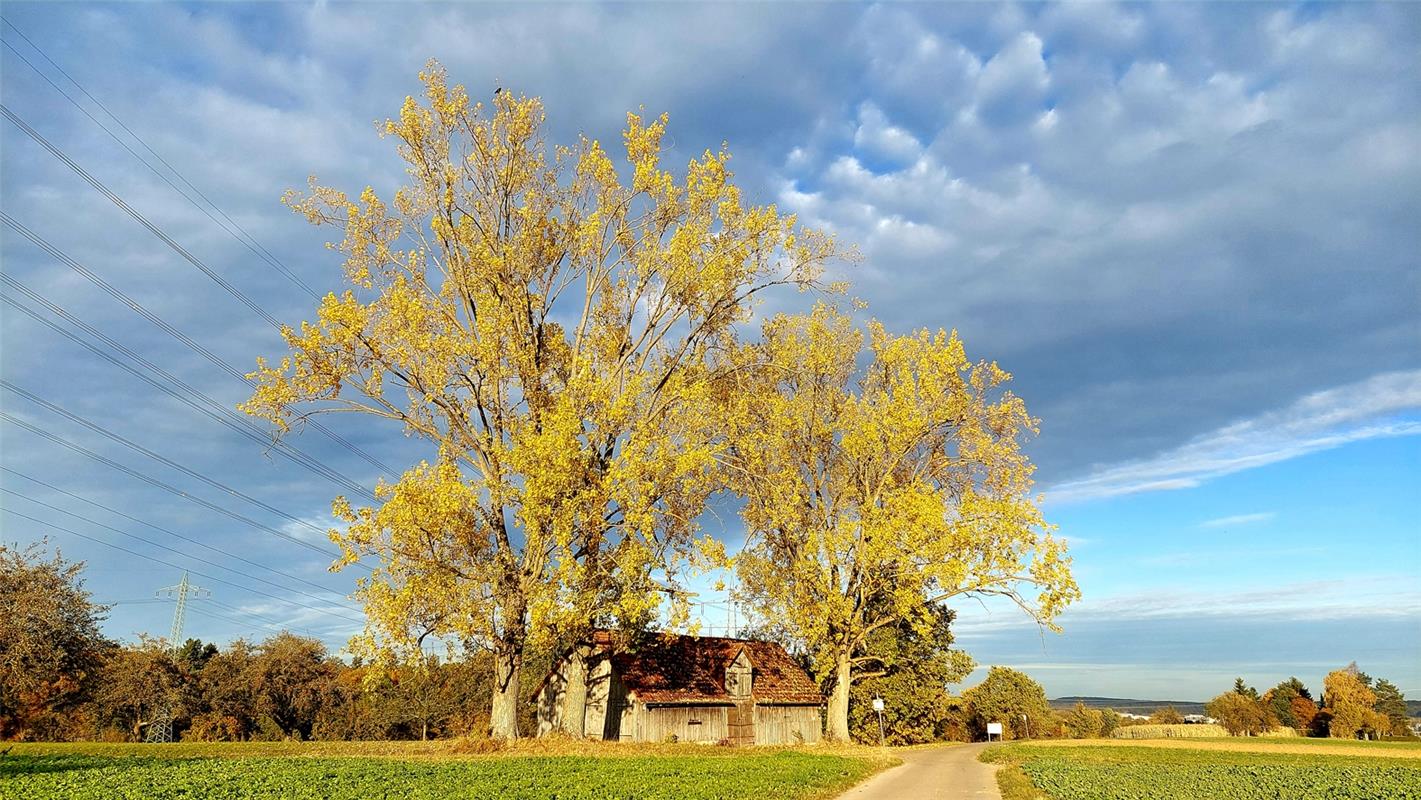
(1127, 704)
(1413, 708)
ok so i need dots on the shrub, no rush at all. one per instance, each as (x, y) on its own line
(1168, 715)
(1083, 723)
(213, 728)
(1241, 714)
(1280, 732)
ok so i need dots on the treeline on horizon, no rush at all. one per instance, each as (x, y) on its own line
(1353, 705)
(61, 679)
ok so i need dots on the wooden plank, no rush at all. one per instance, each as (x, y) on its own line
(787, 724)
(706, 724)
(742, 723)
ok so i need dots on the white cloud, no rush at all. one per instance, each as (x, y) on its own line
(875, 134)
(1238, 519)
(1016, 69)
(1319, 421)
(1388, 596)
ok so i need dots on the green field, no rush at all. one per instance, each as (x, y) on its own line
(1265, 770)
(101, 772)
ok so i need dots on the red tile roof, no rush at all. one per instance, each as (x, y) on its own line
(691, 669)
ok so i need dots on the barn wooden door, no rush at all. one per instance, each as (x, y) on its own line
(742, 722)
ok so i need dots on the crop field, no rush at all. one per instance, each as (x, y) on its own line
(1090, 770)
(101, 772)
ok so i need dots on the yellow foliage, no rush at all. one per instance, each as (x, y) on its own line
(550, 331)
(1352, 706)
(872, 492)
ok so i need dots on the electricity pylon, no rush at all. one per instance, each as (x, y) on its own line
(161, 728)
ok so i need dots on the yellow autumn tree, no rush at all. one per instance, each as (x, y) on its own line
(874, 493)
(546, 321)
(1351, 706)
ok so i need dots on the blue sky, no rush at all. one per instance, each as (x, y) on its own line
(1189, 230)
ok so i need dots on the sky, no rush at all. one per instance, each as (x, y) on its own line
(1188, 230)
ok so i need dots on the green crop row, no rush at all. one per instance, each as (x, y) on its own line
(1064, 779)
(1203, 772)
(785, 776)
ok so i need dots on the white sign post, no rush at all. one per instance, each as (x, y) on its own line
(994, 728)
(878, 706)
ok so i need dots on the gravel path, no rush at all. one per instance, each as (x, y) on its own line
(932, 773)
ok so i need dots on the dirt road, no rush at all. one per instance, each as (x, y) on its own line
(932, 773)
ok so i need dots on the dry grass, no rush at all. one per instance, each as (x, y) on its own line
(1014, 785)
(440, 749)
(1341, 747)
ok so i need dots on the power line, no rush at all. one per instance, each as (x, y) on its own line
(12, 419)
(161, 529)
(217, 411)
(255, 246)
(130, 444)
(142, 220)
(259, 254)
(117, 200)
(255, 615)
(247, 624)
(162, 546)
(154, 559)
(221, 415)
(177, 248)
(168, 328)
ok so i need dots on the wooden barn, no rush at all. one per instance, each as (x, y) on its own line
(695, 688)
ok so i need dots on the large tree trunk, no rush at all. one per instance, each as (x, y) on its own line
(837, 723)
(574, 709)
(507, 675)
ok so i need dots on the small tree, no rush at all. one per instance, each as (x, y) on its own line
(915, 670)
(1304, 712)
(51, 649)
(1391, 703)
(1280, 699)
(141, 683)
(874, 494)
(419, 694)
(1084, 723)
(289, 678)
(1110, 721)
(1012, 698)
(1167, 715)
(1351, 706)
(1240, 714)
(229, 704)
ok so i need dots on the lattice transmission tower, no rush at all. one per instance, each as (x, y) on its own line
(161, 729)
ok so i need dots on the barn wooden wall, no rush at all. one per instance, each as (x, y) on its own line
(609, 714)
(779, 724)
(688, 723)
